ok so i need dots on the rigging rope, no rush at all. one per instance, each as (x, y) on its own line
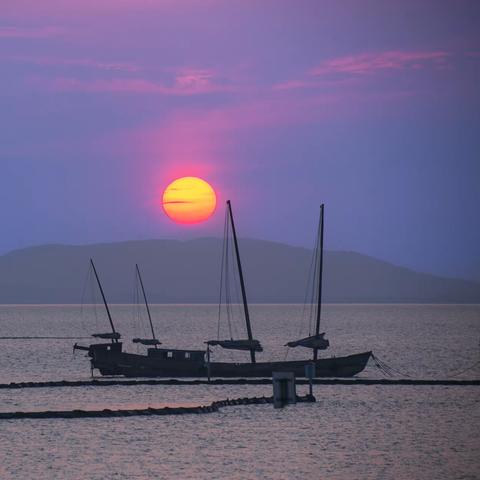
(224, 289)
(238, 307)
(221, 281)
(471, 367)
(136, 324)
(94, 298)
(84, 291)
(316, 282)
(228, 299)
(89, 282)
(310, 289)
(387, 369)
(229, 290)
(310, 279)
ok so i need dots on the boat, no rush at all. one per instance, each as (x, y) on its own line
(109, 358)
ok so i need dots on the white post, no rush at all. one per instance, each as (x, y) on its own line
(208, 363)
(284, 391)
(310, 374)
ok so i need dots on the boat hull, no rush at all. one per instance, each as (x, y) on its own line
(133, 365)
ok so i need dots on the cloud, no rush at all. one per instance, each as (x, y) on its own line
(194, 80)
(133, 86)
(368, 63)
(200, 137)
(87, 8)
(349, 68)
(182, 82)
(30, 32)
(76, 62)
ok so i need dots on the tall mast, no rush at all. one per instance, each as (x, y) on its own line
(146, 302)
(320, 274)
(242, 283)
(114, 340)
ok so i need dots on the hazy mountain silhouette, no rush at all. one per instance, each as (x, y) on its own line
(188, 272)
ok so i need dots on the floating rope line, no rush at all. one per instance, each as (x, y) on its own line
(106, 413)
(234, 381)
(44, 338)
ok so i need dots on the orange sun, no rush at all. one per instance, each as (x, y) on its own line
(189, 200)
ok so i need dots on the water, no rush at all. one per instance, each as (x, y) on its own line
(352, 432)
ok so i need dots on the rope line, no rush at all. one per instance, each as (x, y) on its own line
(386, 369)
(213, 407)
(234, 381)
(471, 367)
(43, 338)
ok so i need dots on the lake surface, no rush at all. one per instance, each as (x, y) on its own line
(352, 432)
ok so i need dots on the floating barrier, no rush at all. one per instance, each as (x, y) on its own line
(107, 413)
(236, 381)
(45, 338)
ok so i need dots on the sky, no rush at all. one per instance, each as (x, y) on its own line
(372, 107)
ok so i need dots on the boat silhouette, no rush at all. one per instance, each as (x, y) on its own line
(110, 359)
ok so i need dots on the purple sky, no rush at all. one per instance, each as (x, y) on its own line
(372, 107)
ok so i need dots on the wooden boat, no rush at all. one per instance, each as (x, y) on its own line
(109, 358)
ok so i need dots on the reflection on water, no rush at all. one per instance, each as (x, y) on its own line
(352, 432)
(361, 432)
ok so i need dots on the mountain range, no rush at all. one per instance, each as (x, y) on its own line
(189, 272)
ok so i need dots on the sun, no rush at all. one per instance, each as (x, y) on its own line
(189, 200)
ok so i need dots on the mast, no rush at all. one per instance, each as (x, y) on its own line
(242, 283)
(114, 340)
(146, 302)
(320, 275)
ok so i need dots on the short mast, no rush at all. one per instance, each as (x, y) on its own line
(114, 340)
(242, 283)
(146, 303)
(320, 275)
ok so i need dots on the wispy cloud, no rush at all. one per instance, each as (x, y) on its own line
(201, 136)
(76, 62)
(30, 32)
(351, 67)
(368, 63)
(185, 81)
(194, 80)
(126, 85)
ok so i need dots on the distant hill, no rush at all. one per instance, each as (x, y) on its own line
(188, 272)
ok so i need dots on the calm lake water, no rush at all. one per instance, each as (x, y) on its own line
(352, 432)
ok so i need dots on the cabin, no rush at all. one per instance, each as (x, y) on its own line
(177, 355)
(97, 349)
